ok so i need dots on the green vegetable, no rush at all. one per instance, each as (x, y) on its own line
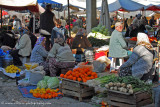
(101, 29)
(97, 42)
(133, 83)
(53, 82)
(46, 78)
(42, 84)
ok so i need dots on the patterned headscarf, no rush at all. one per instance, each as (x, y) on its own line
(81, 31)
(60, 41)
(23, 30)
(142, 39)
(39, 41)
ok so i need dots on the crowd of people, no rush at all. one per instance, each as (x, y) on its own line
(141, 58)
(52, 50)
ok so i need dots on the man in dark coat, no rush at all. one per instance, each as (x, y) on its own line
(47, 23)
(152, 21)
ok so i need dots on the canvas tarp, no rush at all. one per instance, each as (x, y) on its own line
(19, 5)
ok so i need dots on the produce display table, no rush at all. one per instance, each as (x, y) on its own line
(75, 88)
(133, 43)
(120, 99)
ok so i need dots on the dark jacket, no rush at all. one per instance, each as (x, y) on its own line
(8, 39)
(151, 22)
(30, 26)
(61, 32)
(79, 42)
(46, 21)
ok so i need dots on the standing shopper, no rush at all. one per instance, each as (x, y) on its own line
(129, 21)
(47, 23)
(59, 31)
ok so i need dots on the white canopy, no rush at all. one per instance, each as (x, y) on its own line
(19, 5)
(77, 3)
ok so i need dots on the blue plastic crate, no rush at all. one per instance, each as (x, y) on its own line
(79, 57)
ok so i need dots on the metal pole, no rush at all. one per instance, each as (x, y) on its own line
(58, 15)
(64, 14)
(158, 63)
(69, 20)
(33, 23)
(1, 18)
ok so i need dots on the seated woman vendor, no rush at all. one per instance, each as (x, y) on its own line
(39, 54)
(141, 60)
(60, 56)
(81, 42)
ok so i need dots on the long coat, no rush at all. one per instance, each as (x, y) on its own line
(24, 45)
(117, 45)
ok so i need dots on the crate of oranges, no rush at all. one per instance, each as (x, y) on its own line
(73, 83)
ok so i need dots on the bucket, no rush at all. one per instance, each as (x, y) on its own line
(7, 60)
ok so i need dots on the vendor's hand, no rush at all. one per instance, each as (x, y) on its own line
(118, 70)
(131, 49)
(13, 48)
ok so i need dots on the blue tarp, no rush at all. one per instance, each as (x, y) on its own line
(56, 6)
(128, 5)
(47, 1)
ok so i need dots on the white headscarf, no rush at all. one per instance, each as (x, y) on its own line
(142, 37)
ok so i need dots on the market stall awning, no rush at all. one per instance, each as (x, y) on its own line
(128, 5)
(152, 7)
(55, 5)
(4, 13)
(20, 5)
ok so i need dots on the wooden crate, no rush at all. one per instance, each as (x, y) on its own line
(127, 100)
(76, 89)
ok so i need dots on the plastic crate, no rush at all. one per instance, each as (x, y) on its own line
(34, 77)
(79, 57)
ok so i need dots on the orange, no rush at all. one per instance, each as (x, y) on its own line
(31, 91)
(53, 95)
(74, 78)
(49, 96)
(84, 80)
(42, 95)
(62, 75)
(46, 96)
(79, 79)
(65, 76)
(48, 91)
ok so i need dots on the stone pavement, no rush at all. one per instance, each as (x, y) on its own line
(10, 96)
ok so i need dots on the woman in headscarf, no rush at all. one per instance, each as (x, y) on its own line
(60, 56)
(39, 54)
(80, 42)
(141, 60)
(23, 46)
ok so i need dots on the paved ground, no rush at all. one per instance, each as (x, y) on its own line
(10, 96)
